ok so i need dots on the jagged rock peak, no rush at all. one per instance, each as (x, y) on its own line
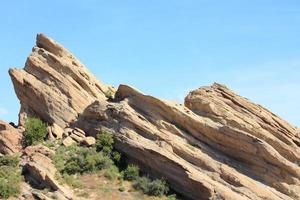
(54, 85)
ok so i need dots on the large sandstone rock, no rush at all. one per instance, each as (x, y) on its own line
(10, 139)
(200, 157)
(54, 85)
(218, 146)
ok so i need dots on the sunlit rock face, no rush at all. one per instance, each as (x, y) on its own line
(218, 146)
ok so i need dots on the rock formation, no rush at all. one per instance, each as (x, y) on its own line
(10, 139)
(54, 85)
(218, 146)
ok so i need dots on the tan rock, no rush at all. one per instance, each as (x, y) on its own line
(67, 132)
(41, 171)
(54, 85)
(89, 141)
(57, 131)
(10, 139)
(218, 146)
(68, 141)
(76, 138)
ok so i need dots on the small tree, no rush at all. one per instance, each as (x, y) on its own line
(35, 131)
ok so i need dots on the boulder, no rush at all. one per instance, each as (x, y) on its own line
(89, 141)
(68, 141)
(40, 171)
(10, 139)
(57, 131)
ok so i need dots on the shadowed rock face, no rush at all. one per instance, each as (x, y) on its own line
(218, 146)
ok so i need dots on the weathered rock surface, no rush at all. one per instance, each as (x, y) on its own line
(10, 139)
(40, 171)
(200, 157)
(54, 85)
(218, 146)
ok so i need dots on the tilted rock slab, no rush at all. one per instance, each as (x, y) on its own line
(202, 156)
(54, 85)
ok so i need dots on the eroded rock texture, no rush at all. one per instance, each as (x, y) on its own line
(54, 85)
(218, 146)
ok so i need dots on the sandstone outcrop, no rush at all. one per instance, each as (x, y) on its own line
(54, 85)
(218, 146)
(10, 139)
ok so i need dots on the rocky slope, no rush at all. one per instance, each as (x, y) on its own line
(218, 146)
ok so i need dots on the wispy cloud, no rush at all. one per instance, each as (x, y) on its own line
(3, 111)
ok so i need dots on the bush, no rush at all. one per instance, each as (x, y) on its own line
(104, 142)
(9, 160)
(142, 183)
(108, 95)
(10, 177)
(116, 156)
(75, 159)
(131, 172)
(35, 131)
(112, 173)
(156, 187)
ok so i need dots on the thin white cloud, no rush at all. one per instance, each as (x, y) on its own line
(3, 111)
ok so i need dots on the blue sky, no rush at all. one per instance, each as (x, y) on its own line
(166, 48)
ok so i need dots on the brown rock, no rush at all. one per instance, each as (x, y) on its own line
(77, 138)
(220, 146)
(54, 85)
(10, 139)
(68, 141)
(89, 141)
(41, 171)
(57, 131)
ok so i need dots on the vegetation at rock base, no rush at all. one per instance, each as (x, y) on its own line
(104, 142)
(10, 176)
(131, 173)
(74, 161)
(35, 131)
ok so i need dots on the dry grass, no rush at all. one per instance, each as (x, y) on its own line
(96, 187)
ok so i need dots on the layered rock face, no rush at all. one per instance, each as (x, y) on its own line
(218, 146)
(54, 85)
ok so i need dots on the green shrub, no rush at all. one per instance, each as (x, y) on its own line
(142, 183)
(35, 131)
(75, 159)
(157, 187)
(10, 177)
(112, 173)
(9, 160)
(116, 156)
(104, 142)
(131, 172)
(108, 95)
